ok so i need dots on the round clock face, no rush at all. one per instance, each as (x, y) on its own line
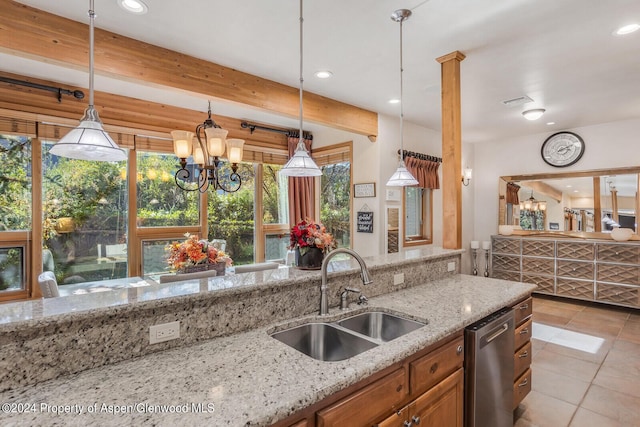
(562, 149)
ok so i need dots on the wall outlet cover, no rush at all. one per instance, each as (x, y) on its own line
(451, 266)
(398, 279)
(164, 332)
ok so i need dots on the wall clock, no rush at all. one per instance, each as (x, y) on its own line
(562, 149)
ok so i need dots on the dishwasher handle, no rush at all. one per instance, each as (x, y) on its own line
(495, 334)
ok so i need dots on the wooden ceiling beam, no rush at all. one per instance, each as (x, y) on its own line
(33, 33)
(121, 111)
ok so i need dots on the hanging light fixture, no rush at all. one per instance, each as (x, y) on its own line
(89, 141)
(301, 163)
(402, 177)
(207, 154)
(532, 205)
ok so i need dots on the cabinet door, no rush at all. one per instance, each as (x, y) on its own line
(441, 406)
(368, 404)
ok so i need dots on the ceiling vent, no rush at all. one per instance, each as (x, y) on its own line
(517, 101)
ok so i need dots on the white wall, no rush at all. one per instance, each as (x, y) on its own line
(376, 162)
(608, 145)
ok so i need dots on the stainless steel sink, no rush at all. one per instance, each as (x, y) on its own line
(380, 326)
(323, 341)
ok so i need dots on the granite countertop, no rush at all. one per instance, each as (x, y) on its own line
(248, 379)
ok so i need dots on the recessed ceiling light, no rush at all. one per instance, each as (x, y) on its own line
(533, 114)
(134, 6)
(551, 123)
(323, 74)
(394, 101)
(627, 29)
(569, 186)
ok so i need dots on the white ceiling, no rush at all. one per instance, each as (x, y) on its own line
(562, 54)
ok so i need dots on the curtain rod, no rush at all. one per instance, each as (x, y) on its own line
(421, 156)
(252, 127)
(78, 94)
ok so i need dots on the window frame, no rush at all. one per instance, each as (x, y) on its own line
(426, 229)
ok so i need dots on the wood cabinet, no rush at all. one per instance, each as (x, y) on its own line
(593, 270)
(442, 406)
(522, 350)
(428, 385)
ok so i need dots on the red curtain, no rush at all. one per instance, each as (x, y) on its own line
(512, 193)
(425, 171)
(301, 190)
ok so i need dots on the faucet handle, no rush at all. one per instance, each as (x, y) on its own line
(347, 289)
(362, 300)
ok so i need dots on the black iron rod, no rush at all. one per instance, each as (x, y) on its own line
(421, 156)
(252, 127)
(78, 94)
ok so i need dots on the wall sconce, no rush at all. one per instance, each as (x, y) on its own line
(466, 176)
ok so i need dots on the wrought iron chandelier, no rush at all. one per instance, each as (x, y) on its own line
(208, 154)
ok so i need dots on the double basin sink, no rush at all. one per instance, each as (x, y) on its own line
(346, 338)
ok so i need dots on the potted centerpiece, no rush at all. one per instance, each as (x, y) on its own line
(195, 254)
(311, 242)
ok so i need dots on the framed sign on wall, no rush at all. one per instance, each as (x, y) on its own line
(367, 189)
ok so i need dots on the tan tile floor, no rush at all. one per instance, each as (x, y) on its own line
(586, 366)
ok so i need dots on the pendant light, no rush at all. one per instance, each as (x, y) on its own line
(402, 177)
(89, 141)
(301, 163)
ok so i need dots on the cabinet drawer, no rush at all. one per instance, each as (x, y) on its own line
(626, 274)
(521, 387)
(522, 310)
(523, 334)
(575, 269)
(545, 283)
(624, 254)
(521, 360)
(538, 265)
(506, 262)
(575, 250)
(545, 248)
(506, 246)
(575, 288)
(368, 404)
(435, 366)
(625, 295)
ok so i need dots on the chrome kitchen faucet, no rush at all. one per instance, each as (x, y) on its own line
(364, 274)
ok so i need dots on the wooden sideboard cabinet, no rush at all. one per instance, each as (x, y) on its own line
(595, 270)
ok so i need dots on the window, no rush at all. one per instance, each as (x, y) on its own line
(85, 208)
(231, 216)
(160, 202)
(275, 212)
(335, 191)
(417, 224)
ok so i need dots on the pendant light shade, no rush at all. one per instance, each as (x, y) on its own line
(401, 177)
(301, 163)
(89, 141)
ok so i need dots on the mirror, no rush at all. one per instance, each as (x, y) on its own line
(571, 202)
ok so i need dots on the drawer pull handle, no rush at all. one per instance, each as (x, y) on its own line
(524, 383)
(523, 354)
(524, 331)
(415, 420)
(407, 424)
(433, 368)
(524, 306)
(459, 350)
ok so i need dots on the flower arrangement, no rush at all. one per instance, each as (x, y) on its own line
(193, 252)
(309, 234)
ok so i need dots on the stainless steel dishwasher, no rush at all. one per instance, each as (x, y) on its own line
(489, 371)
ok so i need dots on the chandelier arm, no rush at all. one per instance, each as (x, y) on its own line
(203, 181)
(181, 176)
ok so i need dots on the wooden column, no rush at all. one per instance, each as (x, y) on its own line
(451, 151)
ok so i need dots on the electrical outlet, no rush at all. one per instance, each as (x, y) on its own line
(451, 266)
(164, 332)
(398, 279)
